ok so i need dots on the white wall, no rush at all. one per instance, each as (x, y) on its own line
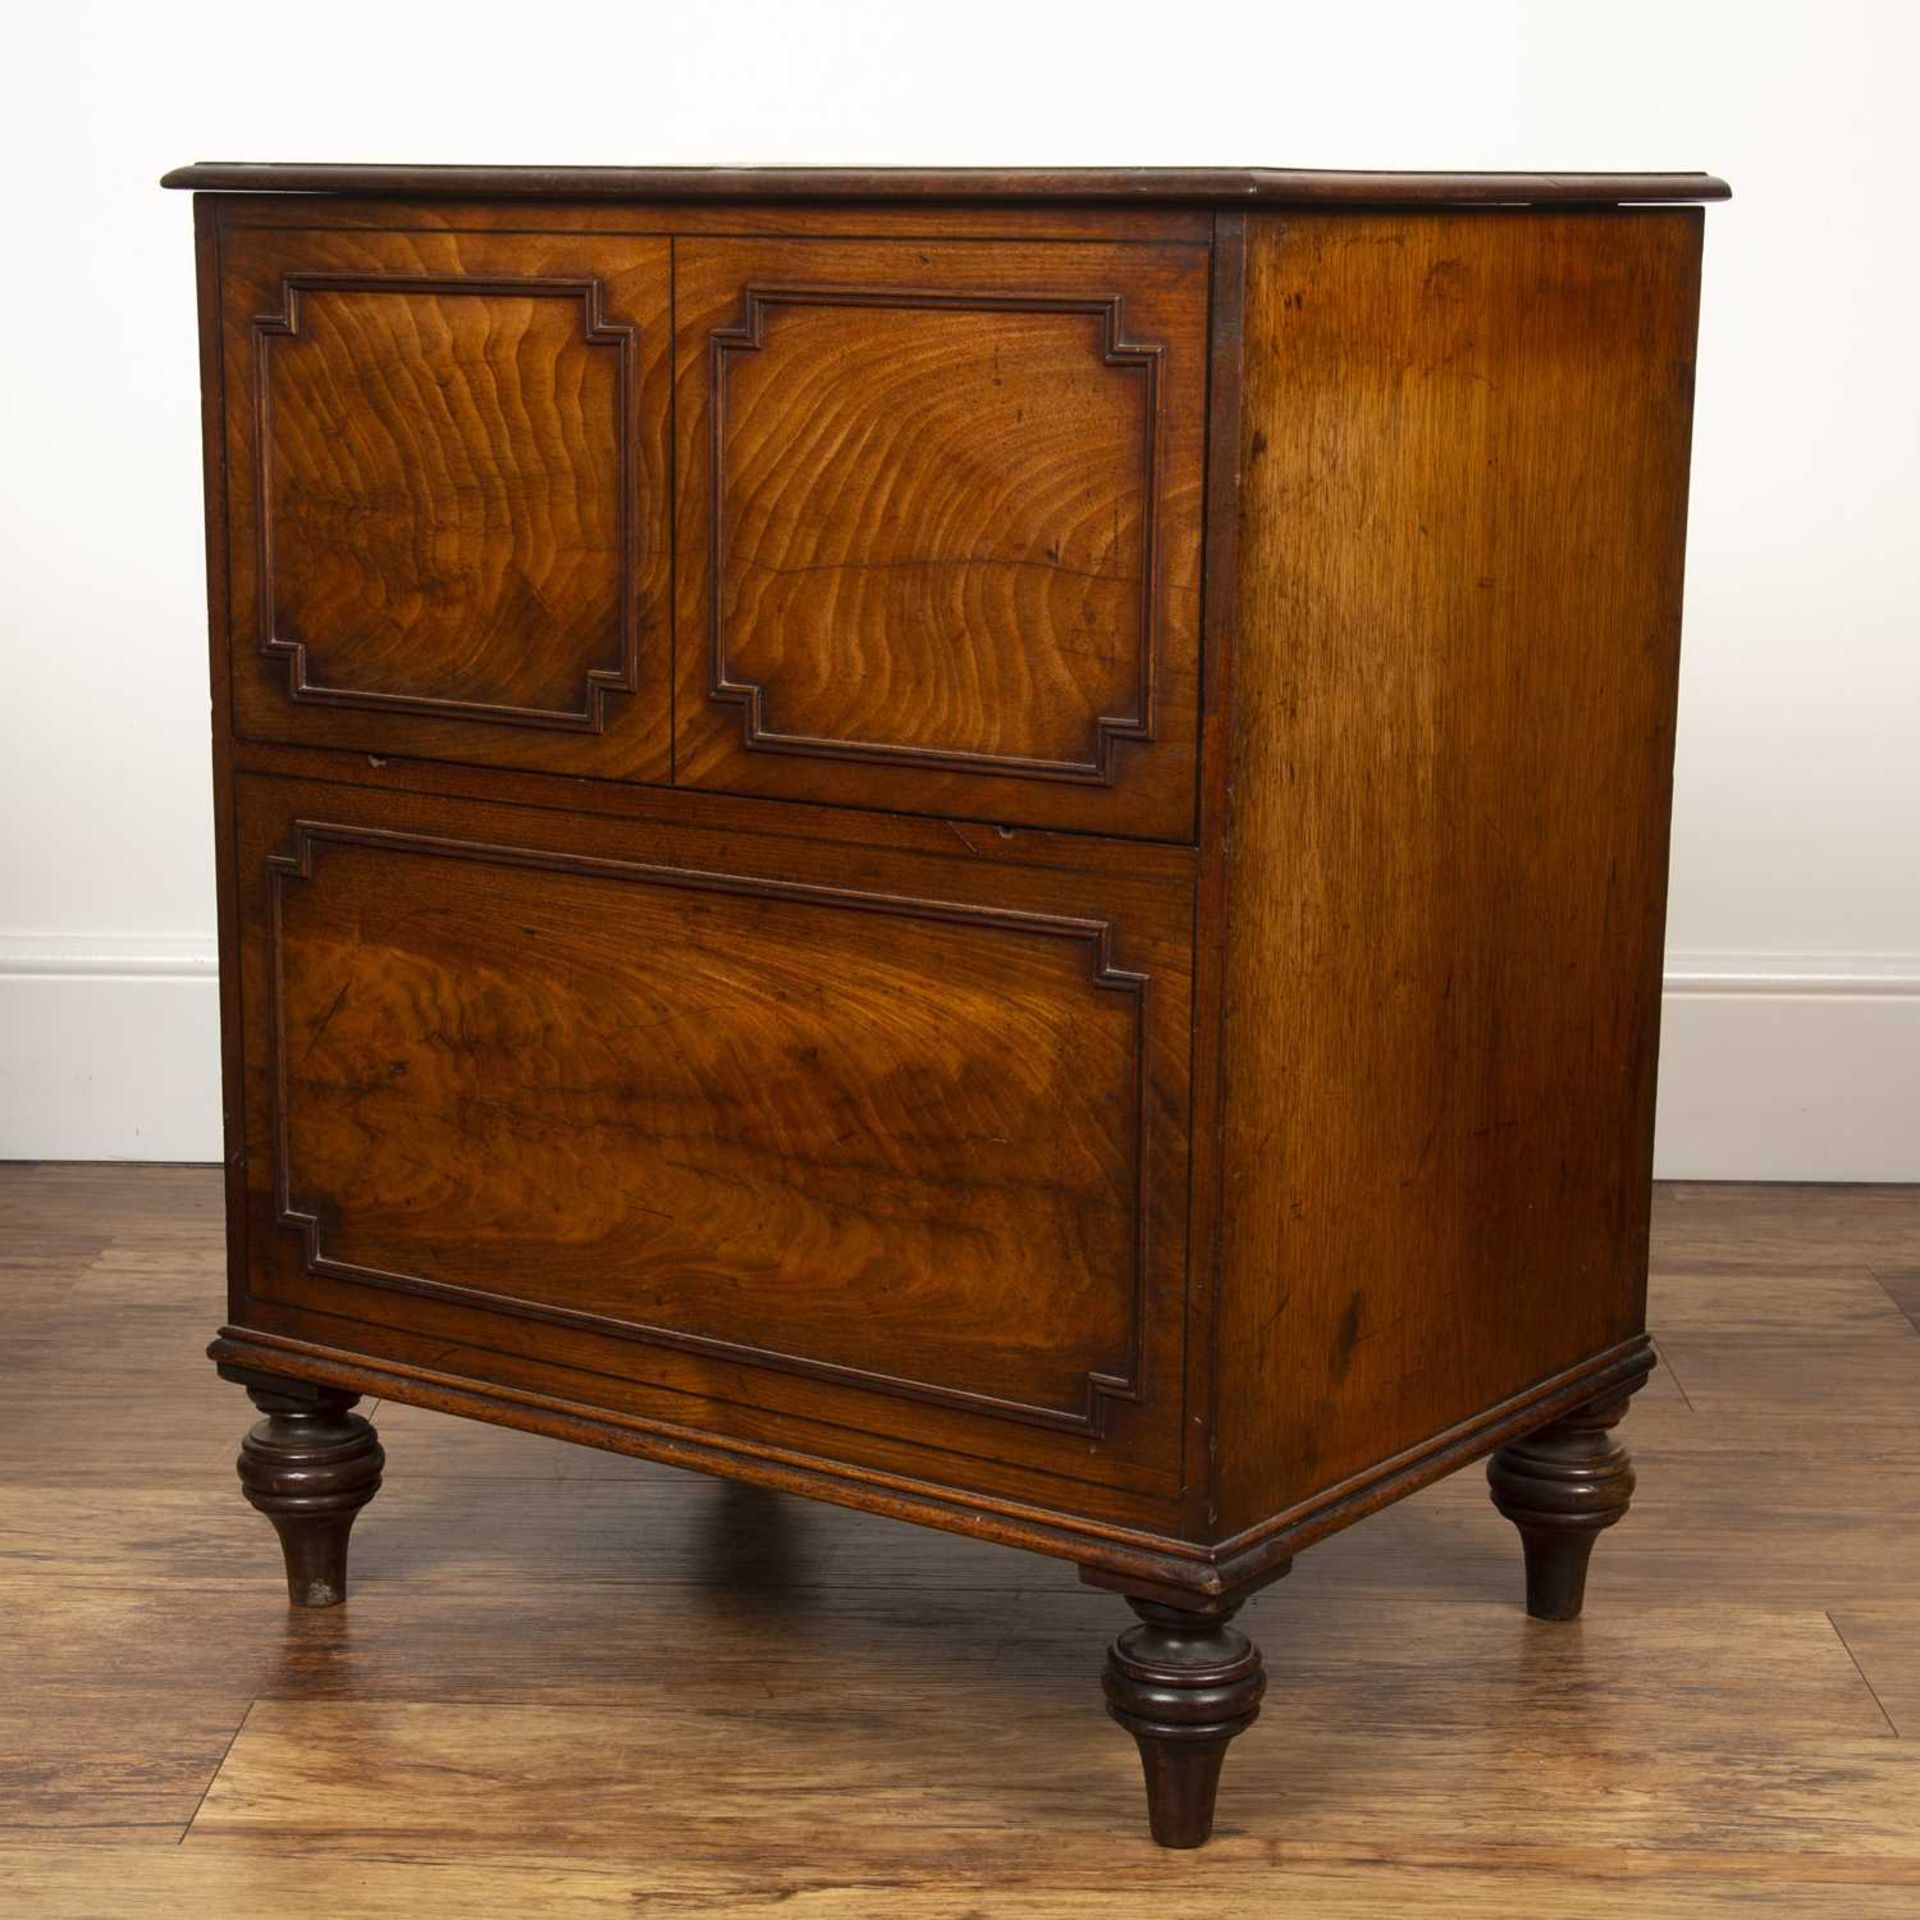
(1793, 1028)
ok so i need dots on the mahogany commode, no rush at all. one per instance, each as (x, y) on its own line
(990, 846)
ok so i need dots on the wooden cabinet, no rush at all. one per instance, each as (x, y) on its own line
(986, 846)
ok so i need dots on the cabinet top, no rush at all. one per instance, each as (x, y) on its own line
(1234, 186)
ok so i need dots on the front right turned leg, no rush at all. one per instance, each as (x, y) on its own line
(310, 1465)
(1184, 1682)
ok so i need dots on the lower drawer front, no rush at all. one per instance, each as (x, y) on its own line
(865, 1153)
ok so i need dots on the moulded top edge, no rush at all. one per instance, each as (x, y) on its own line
(1136, 185)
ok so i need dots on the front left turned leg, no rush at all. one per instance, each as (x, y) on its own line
(1562, 1486)
(1183, 1682)
(310, 1466)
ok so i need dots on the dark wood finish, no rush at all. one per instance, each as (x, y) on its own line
(999, 1053)
(939, 517)
(310, 1465)
(995, 856)
(1464, 447)
(448, 496)
(956, 845)
(1184, 1681)
(837, 1135)
(213, 481)
(1563, 1486)
(1049, 219)
(539, 1398)
(1230, 185)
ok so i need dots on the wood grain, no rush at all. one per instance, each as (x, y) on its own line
(987, 421)
(1464, 448)
(932, 1115)
(1130, 185)
(892, 1144)
(1791, 1230)
(1883, 1642)
(1902, 1287)
(500, 592)
(71, 1884)
(447, 495)
(738, 219)
(404, 1780)
(1705, 1742)
(939, 527)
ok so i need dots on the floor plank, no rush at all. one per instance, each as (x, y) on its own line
(1473, 1663)
(1902, 1285)
(572, 1683)
(1814, 1306)
(179, 1883)
(417, 1779)
(110, 1753)
(1884, 1643)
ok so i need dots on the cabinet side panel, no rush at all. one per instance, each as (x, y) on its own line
(1465, 458)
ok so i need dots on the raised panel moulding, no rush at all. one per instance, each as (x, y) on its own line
(1143, 359)
(597, 331)
(297, 865)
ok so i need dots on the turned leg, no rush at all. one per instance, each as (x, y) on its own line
(1183, 1682)
(310, 1466)
(1562, 1487)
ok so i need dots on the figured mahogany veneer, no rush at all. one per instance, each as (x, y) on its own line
(447, 474)
(940, 526)
(986, 846)
(787, 1126)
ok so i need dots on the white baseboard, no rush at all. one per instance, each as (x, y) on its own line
(1790, 1067)
(1772, 1067)
(109, 1048)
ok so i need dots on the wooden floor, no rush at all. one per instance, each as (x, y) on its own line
(577, 1685)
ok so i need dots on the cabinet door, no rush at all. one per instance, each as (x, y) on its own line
(939, 526)
(872, 1154)
(446, 460)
